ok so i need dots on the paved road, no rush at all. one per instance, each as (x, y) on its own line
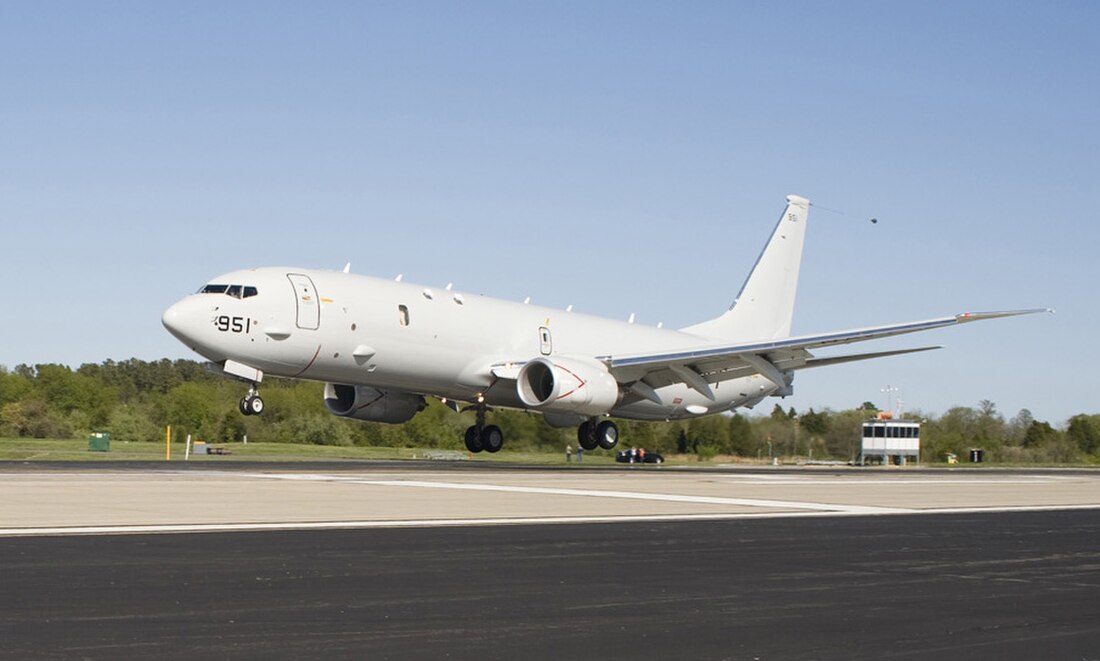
(935, 586)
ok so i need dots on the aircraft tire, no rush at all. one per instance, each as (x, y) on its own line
(473, 441)
(586, 436)
(607, 435)
(243, 406)
(492, 439)
(255, 405)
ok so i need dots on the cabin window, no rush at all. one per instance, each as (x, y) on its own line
(403, 315)
(236, 291)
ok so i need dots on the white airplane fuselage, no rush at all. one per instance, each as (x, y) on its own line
(418, 339)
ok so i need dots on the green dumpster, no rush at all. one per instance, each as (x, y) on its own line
(99, 442)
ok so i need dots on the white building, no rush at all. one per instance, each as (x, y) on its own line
(887, 441)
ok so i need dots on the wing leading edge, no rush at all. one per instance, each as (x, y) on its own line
(773, 359)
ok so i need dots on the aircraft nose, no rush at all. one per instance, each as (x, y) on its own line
(174, 319)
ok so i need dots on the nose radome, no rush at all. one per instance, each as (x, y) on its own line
(173, 319)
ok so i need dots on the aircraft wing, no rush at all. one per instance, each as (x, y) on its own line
(773, 359)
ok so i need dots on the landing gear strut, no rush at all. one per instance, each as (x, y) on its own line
(251, 404)
(592, 434)
(480, 436)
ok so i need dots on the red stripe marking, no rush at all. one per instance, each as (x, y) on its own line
(312, 360)
(381, 394)
(581, 381)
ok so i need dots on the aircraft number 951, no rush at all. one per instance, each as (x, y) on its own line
(228, 324)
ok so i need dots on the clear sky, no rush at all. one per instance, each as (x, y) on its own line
(622, 157)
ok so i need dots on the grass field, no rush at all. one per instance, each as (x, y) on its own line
(33, 449)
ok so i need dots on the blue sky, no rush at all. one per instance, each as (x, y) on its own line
(622, 157)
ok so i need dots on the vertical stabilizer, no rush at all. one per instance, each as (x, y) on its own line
(765, 305)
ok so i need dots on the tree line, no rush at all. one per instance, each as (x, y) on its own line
(134, 400)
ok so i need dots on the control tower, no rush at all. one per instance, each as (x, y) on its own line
(890, 442)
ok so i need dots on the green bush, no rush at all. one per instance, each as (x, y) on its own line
(33, 419)
(130, 425)
(318, 430)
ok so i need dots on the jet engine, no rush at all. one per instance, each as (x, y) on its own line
(567, 385)
(372, 404)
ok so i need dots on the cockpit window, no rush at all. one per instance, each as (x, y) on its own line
(236, 291)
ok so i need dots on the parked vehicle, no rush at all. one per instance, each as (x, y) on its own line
(640, 456)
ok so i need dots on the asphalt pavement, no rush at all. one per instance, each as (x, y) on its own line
(924, 586)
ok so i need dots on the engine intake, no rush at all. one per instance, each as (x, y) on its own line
(372, 404)
(567, 385)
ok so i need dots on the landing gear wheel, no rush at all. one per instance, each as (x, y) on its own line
(480, 436)
(586, 436)
(473, 439)
(251, 405)
(607, 435)
(492, 439)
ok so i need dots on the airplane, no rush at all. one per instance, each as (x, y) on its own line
(381, 346)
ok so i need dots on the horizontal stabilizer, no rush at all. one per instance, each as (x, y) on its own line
(851, 358)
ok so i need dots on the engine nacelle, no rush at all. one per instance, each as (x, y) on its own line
(567, 385)
(372, 404)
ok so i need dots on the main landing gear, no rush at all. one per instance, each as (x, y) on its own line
(592, 434)
(480, 436)
(251, 404)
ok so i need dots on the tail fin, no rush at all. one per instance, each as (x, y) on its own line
(765, 305)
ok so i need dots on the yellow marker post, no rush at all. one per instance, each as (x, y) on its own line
(168, 443)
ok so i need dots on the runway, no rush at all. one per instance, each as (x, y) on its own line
(507, 563)
(200, 498)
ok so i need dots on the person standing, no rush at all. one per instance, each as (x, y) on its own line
(568, 453)
(580, 453)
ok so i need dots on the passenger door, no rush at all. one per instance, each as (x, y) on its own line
(305, 297)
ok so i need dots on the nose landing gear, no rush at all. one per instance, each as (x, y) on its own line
(252, 404)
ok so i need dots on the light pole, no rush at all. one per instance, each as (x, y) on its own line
(795, 452)
(889, 390)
